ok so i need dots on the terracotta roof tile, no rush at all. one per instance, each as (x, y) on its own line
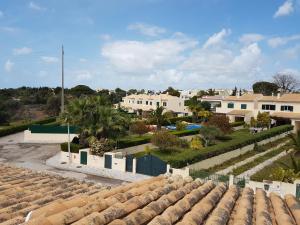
(159, 200)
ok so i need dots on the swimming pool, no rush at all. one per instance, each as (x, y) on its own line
(188, 127)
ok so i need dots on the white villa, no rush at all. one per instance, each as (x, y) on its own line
(281, 107)
(145, 102)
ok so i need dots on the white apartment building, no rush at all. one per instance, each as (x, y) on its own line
(244, 107)
(144, 102)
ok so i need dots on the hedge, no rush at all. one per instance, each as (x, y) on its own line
(73, 147)
(22, 127)
(189, 157)
(237, 124)
(139, 140)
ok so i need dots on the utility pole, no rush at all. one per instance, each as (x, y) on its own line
(62, 80)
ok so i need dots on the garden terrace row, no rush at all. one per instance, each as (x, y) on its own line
(159, 200)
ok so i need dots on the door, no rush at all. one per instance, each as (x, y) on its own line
(129, 161)
(150, 165)
(107, 161)
(83, 158)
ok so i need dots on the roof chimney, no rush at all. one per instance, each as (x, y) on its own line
(278, 95)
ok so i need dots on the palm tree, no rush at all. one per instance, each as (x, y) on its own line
(195, 108)
(290, 171)
(96, 117)
(159, 117)
(296, 142)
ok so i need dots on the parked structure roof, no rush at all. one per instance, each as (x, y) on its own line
(159, 200)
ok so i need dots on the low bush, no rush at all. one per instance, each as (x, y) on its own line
(73, 147)
(18, 128)
(237, 124)
(186, 157)
(181, 119)
(164, 140)
(180, 125)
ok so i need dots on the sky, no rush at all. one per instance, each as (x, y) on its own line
(151, 44)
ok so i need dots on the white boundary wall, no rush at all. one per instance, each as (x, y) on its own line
(46, 137)
(278, 187)
(216, 160)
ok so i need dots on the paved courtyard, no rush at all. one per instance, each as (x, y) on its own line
(34, 156)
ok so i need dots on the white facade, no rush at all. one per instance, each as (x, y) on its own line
(144, 102)
(244, 107)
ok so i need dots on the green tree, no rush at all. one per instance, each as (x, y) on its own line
(180, 125)
(209, 134)
(53, 105)
(159, 118)
(263, 120)
(172, 91)
(290, 171)
(80, 90)
(96, 117)
(4, 118)
(265, 88)
(195, 107)
(206, 105)
(296, 142)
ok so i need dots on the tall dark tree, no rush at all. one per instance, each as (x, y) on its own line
(80, 90)
(172, 91)
(265, 88)
(286, 82)
(234, 91)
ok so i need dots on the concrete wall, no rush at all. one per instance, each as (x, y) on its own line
(216, 160)
(280, 188)
(46, 138)
(95, 161)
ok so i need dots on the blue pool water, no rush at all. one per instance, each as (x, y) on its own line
(188, 127)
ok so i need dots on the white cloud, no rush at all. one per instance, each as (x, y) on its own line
(8, 66)
(49, 59)
(217, 38)
(279, 41)
(35, 6)
(140, 57)
(22, 51)
(147, 29)
(105, 37)
(292, 53)
(251, 38)
(285, 9)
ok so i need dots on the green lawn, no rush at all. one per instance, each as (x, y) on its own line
(272, 172)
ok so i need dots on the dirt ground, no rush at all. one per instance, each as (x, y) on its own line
(34, 156)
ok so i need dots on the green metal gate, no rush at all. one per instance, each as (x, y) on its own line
(107, 161)
(298, 191)
(240, 182)
(83, 158)
(129, 162)
(150, 165)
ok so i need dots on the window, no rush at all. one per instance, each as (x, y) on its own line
(230, 105)
(150, 103)
(164, 104)
(243, 106)
(268, 107)
(287, 108)
(146, 102)
(157, 104)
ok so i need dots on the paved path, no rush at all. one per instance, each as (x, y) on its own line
(141, 148)
(250, 159)
(262, 165)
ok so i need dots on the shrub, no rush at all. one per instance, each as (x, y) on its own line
(182, 143)
(196, 143)
(139, 127)
(73, 147)
(180, 125)
(164, 140)
(99, 147)
(181, 160)
(237, 124)
(222, 122)
(209, 134)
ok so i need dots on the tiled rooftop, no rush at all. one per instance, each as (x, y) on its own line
(160, 200)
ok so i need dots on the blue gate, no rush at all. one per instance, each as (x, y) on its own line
(150, 165)
(129, 162)
(107, 161)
